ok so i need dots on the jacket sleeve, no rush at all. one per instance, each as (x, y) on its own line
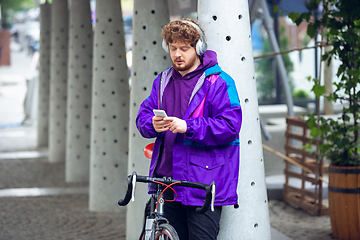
(145, 114)
(222, 116)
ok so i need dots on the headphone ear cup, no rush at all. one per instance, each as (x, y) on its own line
(165, 46)
(198, 47)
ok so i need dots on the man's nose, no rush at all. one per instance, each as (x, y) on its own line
(177, 53)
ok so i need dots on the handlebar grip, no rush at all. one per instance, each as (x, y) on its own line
(126, 200)
(207, 201)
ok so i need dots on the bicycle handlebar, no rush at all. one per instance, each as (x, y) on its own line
(209, 189)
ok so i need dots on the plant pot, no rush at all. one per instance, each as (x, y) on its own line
(344, 202)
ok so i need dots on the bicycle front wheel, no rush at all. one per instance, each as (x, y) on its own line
(166, 232)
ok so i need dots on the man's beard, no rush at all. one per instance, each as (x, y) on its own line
(184, 65)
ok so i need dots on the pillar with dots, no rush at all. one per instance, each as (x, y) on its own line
(58, 80)
(149, 60)
(227, 28)
(79, 92)
(44, 75)
(109, 110)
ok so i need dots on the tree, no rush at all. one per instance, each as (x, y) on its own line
(15, 5)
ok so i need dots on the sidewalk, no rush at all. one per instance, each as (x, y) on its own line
(37, 203)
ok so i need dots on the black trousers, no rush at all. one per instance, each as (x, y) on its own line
(189, 224)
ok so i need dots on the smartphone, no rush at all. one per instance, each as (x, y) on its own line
(159, 113)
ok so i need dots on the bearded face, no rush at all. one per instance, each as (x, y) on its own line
(183, 57)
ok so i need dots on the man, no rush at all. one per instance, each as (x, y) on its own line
(199, 140)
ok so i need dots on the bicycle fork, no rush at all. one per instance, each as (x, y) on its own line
(154, 220)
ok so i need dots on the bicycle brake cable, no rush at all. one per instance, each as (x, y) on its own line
(167, 186)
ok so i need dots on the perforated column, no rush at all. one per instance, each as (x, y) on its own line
(58, 80)
(227, 28)
(149, 59)
(110, 110)
(44, 75)
(79, 92)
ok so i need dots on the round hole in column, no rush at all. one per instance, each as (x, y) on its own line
(242, 58)
(103, 80)
(102, 32)
(246, 100)
(112, 68)
(155, 73)
(144, 27)
(214, 17)
(114, 116)
(104, 129)
(144, 88)
(110, 19)
(104, 153)
(256, 225)
(154, 42)
(228, 38)
(240, 16)
(113, 92)
(249, 142)
(104, 178)
(252, 184)
(116, 165)
(115, 141)
(152, 11)
(144, 58)
(111, 44)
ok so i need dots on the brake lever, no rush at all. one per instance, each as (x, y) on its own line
(213, 187)
(133, 187)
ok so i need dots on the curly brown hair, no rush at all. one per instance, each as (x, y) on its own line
(179, 31)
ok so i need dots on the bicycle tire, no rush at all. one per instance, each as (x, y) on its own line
(166, 232)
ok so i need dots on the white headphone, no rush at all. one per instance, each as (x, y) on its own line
(201, 45)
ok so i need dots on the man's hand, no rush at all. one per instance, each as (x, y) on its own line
(177, 125)
(160, 124)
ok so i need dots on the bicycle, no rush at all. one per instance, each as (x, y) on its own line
(156, 226)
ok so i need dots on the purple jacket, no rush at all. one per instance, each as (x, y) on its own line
(209, 150)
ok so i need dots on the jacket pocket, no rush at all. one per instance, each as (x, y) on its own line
(207, 162)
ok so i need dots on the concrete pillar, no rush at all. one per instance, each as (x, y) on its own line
(58, 80)
(44, 75)
(328, 105)
(79, 92)
(149, 60)
(110, 110)
(227, 28)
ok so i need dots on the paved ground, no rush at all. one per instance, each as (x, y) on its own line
(37, 203)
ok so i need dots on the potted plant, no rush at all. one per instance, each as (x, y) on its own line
(340, 26)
